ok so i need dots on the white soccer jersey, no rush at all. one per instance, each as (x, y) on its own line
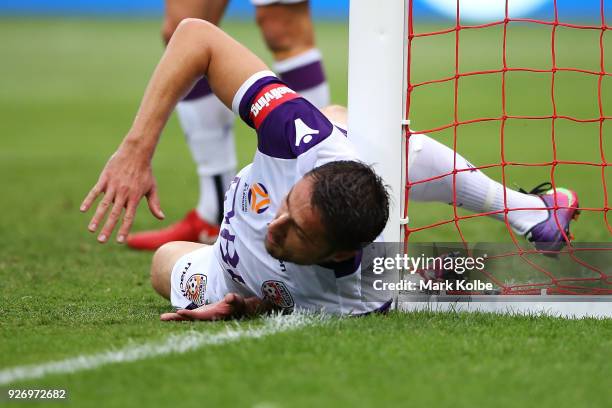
(293, 138)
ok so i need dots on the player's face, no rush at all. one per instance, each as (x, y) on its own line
(297, 233)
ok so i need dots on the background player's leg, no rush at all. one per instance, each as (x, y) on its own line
(337, 114)
(208, 127)
(163, 262)
(289, 34)
(207, 123)
(475, 191)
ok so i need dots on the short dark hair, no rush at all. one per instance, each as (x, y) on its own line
(353, 201)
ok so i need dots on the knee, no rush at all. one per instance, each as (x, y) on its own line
(285, 30)
(189, 24)
(274, 32)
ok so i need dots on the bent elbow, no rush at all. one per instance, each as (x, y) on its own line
(191, 24)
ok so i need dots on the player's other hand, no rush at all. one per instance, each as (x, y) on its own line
(232, 306)
(126, 178)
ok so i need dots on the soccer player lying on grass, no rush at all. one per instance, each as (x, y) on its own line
(297, 217)
(286, 27)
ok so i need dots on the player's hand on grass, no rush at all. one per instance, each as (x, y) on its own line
(126, 178)
(233, 306)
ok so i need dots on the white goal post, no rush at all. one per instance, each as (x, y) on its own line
(376, 107)
(376, 95)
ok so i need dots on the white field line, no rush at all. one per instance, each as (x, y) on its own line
(177, 343)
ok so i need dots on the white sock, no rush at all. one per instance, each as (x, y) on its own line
(208, 126)
(304, 74)
(212, 193)
(475, 191)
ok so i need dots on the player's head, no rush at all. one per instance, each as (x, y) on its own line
(329, 214)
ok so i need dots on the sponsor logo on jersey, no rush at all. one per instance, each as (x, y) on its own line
(277, 293)
(259, 199)
(244, 202)
(185, 269)
(195, 288)
(268, 99)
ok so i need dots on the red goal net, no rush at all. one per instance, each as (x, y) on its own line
(586, 267)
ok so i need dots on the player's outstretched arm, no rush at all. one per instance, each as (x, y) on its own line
(197, 48)
(232, 306)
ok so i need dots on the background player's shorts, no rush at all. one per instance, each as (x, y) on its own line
(192, 277)
(269, 2)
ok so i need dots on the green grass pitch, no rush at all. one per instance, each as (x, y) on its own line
(69, 89)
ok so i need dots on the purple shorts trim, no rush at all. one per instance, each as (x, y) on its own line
(199, 90)
(305, 77)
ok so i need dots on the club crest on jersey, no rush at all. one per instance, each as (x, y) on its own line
(268, 99)
(277, 293)
(195, 288)
(259, 199)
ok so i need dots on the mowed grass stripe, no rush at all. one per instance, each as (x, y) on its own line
(176, 343)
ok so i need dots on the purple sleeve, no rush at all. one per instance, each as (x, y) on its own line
(292, 129)
(251, 92)
(287, 125)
